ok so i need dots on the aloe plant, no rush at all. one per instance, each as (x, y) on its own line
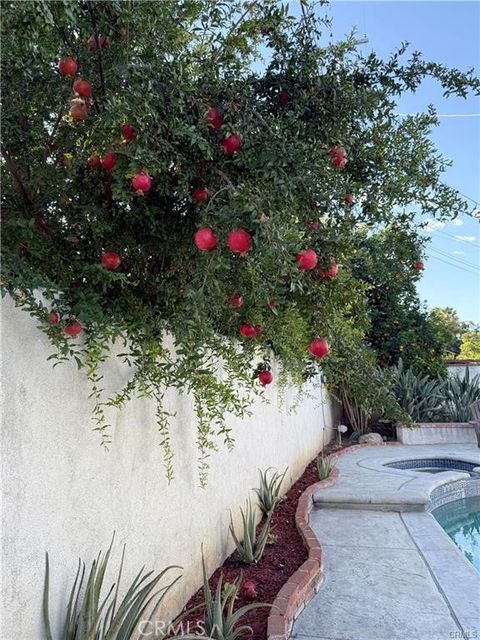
(269, 491)
(250, 548)
(460, 394)
(91, 617)
(325, 466)
(422, 397)
(220, 618)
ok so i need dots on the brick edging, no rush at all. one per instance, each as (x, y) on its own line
(304, 583)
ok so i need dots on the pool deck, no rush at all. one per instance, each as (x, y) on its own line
(391, 572)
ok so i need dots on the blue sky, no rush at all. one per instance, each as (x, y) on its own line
(446, 32)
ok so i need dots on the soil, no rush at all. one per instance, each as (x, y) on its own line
(279, 561)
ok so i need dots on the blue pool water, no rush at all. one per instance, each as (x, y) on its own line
(461, 520)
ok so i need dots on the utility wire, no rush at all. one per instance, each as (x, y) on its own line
(457, 266)
(453, 258)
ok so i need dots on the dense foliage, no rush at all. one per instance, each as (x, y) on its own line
(228, 116)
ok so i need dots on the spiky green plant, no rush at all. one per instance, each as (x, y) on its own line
(325, 466)
(249, 547)
(220, 618)
(422, 397)
(269, 491)
(460, 394)
(91, 617)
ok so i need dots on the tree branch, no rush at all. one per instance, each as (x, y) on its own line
(97, 42)
(12, 167)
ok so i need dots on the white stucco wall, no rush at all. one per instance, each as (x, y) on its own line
(64, 494)
(459, 368)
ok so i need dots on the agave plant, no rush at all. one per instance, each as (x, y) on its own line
(220, 618)
(251, 548)
(325, 466)
(91, 617)
(269, 491)
(422, 397)
(460, 394)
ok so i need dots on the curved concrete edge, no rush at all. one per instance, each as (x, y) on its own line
(456, 578)
(307, 579)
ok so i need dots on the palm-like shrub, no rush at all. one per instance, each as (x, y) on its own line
(91, 617)
(250, 548)
(460, 394)
(325, 466)
(269, 491)
(420, 396)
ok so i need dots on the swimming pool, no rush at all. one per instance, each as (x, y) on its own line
(460, 519)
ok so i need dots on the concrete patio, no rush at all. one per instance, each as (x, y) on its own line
(391, 572)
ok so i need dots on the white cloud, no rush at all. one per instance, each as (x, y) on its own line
(433, 225)
(459, 253)
(466, 238)
(457, 222)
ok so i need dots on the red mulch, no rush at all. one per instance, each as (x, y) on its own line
(277, 564)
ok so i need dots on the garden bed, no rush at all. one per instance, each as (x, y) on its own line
(279, 561)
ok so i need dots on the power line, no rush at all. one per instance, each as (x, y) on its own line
(453, 258)
(471, 243)
(457, 266)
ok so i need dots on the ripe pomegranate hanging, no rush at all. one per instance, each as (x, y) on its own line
(231, 144)
(349, 199)
(103, 42)
(95, 161)
(111, 260)
(250, 330)
(67, 67)
(54, 317)
(141, 182)
(249, 589)
(338, 157)
(307, 260)
(82, 88)
(109, 161)
(319, 348)
(283, 96)
(200, 195)
(214, 118)
(235, 301)
(205, 239)
(78, 110)
(239, 241)
(265, 377)
(73, 329)
(331, 272)
(128, 132)
(419, 266)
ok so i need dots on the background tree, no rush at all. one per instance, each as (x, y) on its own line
(470, 347)
(178, 126)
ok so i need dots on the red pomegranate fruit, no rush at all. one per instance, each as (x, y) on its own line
(338, 157)
(109, 161)
(283, 96)
(95, 162)
(141, 182)
(265, 377)
(54, 317)
(307, 260)
(111, 260)
(82, 88)
(214, 118)
(231, 144)
(205, 239)
(239, 241)
(331, 272)
(68, 67)
(128, 132)
(103, 42)
(235, 301)
(419, 266)
(250, 330)
(200, 195)
(73, 329)
(319, 348)
(78, 110)
(349, 199)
